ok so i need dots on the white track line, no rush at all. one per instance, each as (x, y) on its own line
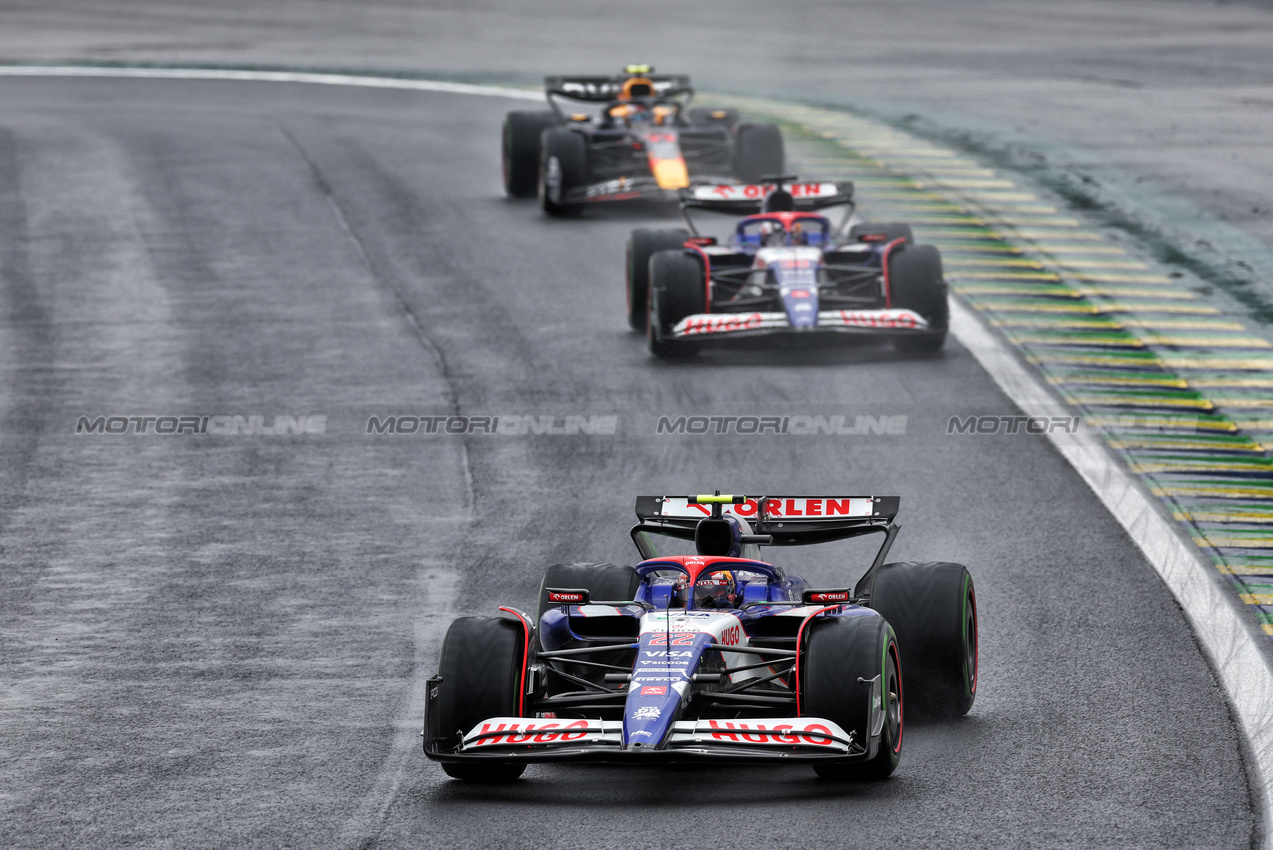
(1223, 626)
(312, 78)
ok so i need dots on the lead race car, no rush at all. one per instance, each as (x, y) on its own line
(785, 271)
(717, 656)
(635, 137)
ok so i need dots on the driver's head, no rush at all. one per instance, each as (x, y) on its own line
(772, 234)
(716, 590)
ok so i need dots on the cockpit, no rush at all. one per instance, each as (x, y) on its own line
(774, 230)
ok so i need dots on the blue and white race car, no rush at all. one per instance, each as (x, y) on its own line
(785, 271)
(715, 656)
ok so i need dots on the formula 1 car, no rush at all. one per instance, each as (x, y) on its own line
(640, 140)
(712, 657)
(785, 271)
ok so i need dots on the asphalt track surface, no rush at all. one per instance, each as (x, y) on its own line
(220, 640)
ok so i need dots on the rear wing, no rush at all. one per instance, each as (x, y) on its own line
(776, 520)
(606, 89)
(786, 520)
(748, 198)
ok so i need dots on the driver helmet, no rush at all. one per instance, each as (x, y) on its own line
(717, 589)
(772, 234)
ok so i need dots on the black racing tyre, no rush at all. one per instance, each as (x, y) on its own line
(838, 651)
(642, 244)
(519, 148)
(604, 582)
(758, 152)
(678, 288)
(708, 117)
(563, 166)
(916, 283)
(481, 669)
(881, 231)
(933, 609)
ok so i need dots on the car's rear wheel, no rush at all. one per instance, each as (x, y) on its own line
(563, 167)
(842, 656)
(481, 670)
(916, 283)
(643, 244)
(758, 152)
(933, 609)
(881, 231)
(678, 288)
(604, 582)
(520, 150)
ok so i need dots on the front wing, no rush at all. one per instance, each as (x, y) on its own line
(725, 325)
(522, 739)
(618, 189)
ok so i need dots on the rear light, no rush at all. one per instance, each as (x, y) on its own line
(701, 240)
(873, 237)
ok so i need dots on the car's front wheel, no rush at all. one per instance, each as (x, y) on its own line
(642, 245)
(481, 670)
(916, 283)
(844, 658)
(678, 288)
(563, 167)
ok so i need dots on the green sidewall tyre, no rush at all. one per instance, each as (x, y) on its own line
(838, 652)
(933, 609)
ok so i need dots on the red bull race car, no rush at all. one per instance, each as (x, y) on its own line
(625, 137)
(715, 656)
(785, 271)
